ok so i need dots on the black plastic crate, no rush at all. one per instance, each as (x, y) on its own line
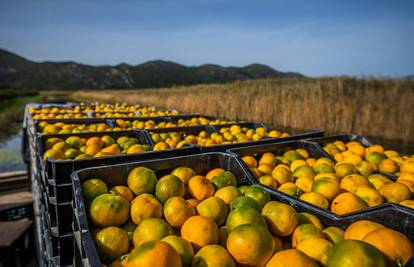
(61, 193)
(117, 174)
(60, 170)
(391, 215)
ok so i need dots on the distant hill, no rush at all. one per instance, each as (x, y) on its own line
(18, 72)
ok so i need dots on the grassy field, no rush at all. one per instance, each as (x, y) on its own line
(380, 109)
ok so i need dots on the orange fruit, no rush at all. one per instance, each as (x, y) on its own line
(358, 230)
(228, 193)
(333, 234)
(122, 191)
(142, 180)
(395, 192)
(213, 173)
(355, 253)
(257, 193)
(200, 231)
(214, 208)
(370, 195)
(351, 182)
(304, 184)
(193, 202)
(94, 141)
(244, 201)
(388, 166)
(154, 254)
(213, 255)
(243, 215)
(109, 210)
(169, 186)
(316, 248)
(291, 258)
(200, 188)
(327, 187)
(268, 180)
(315, 199)
(183, 173)
(281, 218)
(282, 174)
(183, 248)
(177, 211)
(54, 154)
(250, 161)
(250, 244)
(393, 244)
(224, 179)
(151, 229)
(305, 231)
(111, 243)
(346, 203)
(305, 217)
(92, 188)
(145, 206)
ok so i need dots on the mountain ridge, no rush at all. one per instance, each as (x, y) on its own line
(19, 72)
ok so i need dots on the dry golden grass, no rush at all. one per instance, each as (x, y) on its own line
(381, 109)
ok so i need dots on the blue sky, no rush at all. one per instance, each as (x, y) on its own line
(312, 37)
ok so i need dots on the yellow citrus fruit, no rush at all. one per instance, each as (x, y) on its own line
(344, 169)
(267, 158)
(250, 161)
(268, 180)
(346, 203)
(378, 180)
(169, 186)
(282, 174)
(161, 146)
(213, 255)
(277, 244)
(304, 184)
(250, 244)
(311, 162)
(364, 168)
(358, 230)
(142, 180)
(406, 176)
(184, 173)
(177, 211)
(290, 258)
(109, 210)
(407, 166)
(122, 191)
(193, 202)
(154, 253)
(370, 195)
(327, 187)
(200, 231)
(408, 203)
(182, 247)
(351, 182)
(92, 188)
(111, 243)
(200, 188)
(305, 217)
(303, 152)
(304, 172)
(355, 253)
(257, 193)
(94, 141)
(290, 189)
(393, 244)
(316, 248)
(333, 234)
(408, 183)
(305, 231)
(330, 175)
(135, 149)
(54, 154)
(243, 201)
(213, 173)
(243, 215)
(228, 193)
(214, 208)
(297, 163)
(112, 149)
(145, 206)
(282, 219)
(265, 168)
(388, 166)
(316, 199)
(395, 192)
(151, 229)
